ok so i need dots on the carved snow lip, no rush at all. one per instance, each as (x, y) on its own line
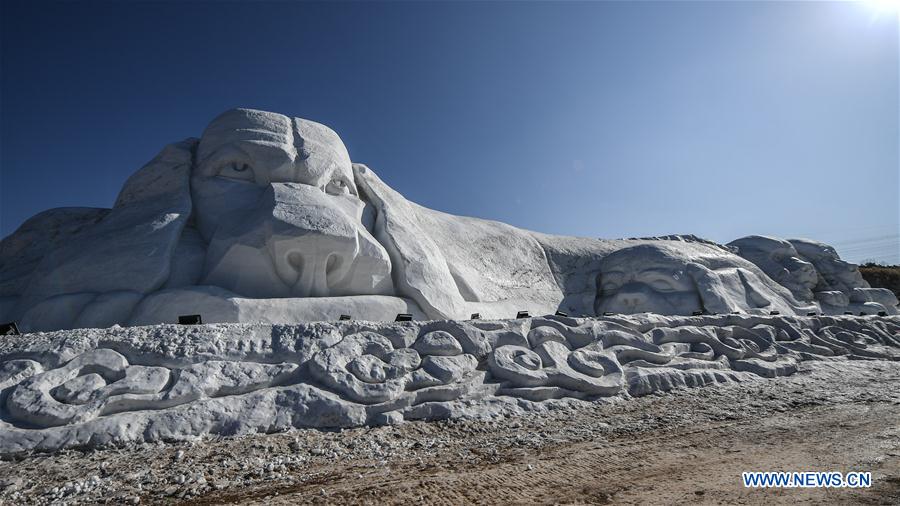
(218, 305)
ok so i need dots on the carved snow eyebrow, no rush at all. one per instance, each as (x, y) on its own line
(658, 270)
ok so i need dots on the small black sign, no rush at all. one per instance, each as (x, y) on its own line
(773, 313)
(475, 316)
(403, 317)
(9, 329)
(190, 319)
(523, 314)
(343, 317)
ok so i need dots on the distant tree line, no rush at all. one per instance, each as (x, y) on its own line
(882, 276)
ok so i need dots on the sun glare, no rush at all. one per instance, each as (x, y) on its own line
(883, 8)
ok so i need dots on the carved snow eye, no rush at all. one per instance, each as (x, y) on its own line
(612, 281)
(662, 285)
(611, 286)
(237, 170)
(338, 186)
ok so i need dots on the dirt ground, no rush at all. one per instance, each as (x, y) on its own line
(688, 446)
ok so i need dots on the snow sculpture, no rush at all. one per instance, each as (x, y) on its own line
(266, 219)
(275, 201)
(367, 369)
(687, 278)
(836, 275)
(814, 272)
(90, 387)
(780, 261)
(102, 382)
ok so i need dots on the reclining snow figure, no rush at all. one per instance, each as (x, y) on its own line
(780, 261)
(266, 219)
(688, 278)
(814, 272)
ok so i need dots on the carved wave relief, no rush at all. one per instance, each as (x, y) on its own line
(94, 387)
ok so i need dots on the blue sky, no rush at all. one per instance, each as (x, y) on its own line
(604, 119)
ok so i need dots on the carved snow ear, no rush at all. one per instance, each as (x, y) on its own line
(131, 247)
(715, 294)
(420, 270)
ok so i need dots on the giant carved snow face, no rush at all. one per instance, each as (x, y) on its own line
(645, 279)
(275, 199)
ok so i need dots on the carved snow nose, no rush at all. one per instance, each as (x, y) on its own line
(295, 240)
(312, 263)
(312, 244)
(632, 300)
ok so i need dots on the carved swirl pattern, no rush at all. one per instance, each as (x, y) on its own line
(102, 382)
(367, 369)
(545, 358)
